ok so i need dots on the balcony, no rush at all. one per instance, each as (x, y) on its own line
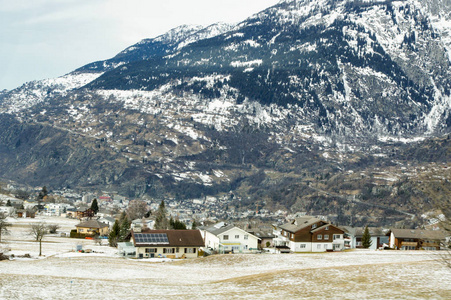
(409, 244)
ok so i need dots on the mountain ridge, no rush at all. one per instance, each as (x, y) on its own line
(300, 93)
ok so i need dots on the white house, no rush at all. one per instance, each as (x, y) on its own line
(228, 238)
(107, 220)
(378, 237)
(142, 223)
(55, 209)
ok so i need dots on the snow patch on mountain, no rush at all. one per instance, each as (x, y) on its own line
(206, 33)
(35, 92)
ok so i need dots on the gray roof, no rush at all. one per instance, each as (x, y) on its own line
(216, 231)
(419, 234)
(263, 234)
(109, 219)
(299, 223)
(220, 228)
(92, 224)
(358, 231)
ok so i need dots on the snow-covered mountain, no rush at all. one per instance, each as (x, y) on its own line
(34, 92)
(348, 68)
(300, 87)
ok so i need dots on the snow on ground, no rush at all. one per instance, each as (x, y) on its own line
(64, 274)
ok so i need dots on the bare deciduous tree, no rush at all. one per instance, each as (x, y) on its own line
(4, 249)
(38, 231)
(3, 226)
(53, 228)
(136, 209)
(445, 207)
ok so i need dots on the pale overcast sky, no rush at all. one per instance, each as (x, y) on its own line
(49, 38)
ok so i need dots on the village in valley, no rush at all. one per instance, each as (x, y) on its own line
(49, 231)
(156, 228)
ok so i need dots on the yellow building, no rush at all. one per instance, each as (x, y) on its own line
(92, 227)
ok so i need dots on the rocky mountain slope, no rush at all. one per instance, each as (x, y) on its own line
(277, 108)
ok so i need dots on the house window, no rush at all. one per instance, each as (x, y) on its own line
(314, 226)
(302, 246)
(319, 237)
(408, 248)
(190, 250)
(318, 246)
(292, 235)
(325, 246)
(246, 236)
(151, 250)
(337, 236)
(226, 237)
(327, 227)
(326, 237)
(237, 237)
(168, 250)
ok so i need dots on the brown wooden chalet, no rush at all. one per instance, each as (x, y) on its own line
(88, 213)
(167, 243)
(309, 234)
(416, 239)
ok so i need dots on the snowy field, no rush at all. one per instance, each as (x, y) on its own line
(65, 274)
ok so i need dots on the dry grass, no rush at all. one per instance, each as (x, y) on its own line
(347, 275)
(90, 277)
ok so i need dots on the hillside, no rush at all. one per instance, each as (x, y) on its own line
(334, 107)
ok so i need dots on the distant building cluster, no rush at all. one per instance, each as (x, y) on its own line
(218, 229)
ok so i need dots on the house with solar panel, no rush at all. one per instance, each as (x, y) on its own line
(167, 243)
(227, 238)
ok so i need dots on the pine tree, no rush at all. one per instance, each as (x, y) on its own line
(42, 194)
(161, 221)
(177, 224)
(3, 226)
(366, 238)
(95, 206)
(124, 228)
(114, 234)
(194, 226)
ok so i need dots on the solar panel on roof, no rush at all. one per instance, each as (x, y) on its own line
(151, 238)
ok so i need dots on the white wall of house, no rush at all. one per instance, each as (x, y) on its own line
(177, 252)
(355, 244)
(337, 244)
(300, 247)
(392, 240)
(54, 209)
(238, 240)
(210, 240)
